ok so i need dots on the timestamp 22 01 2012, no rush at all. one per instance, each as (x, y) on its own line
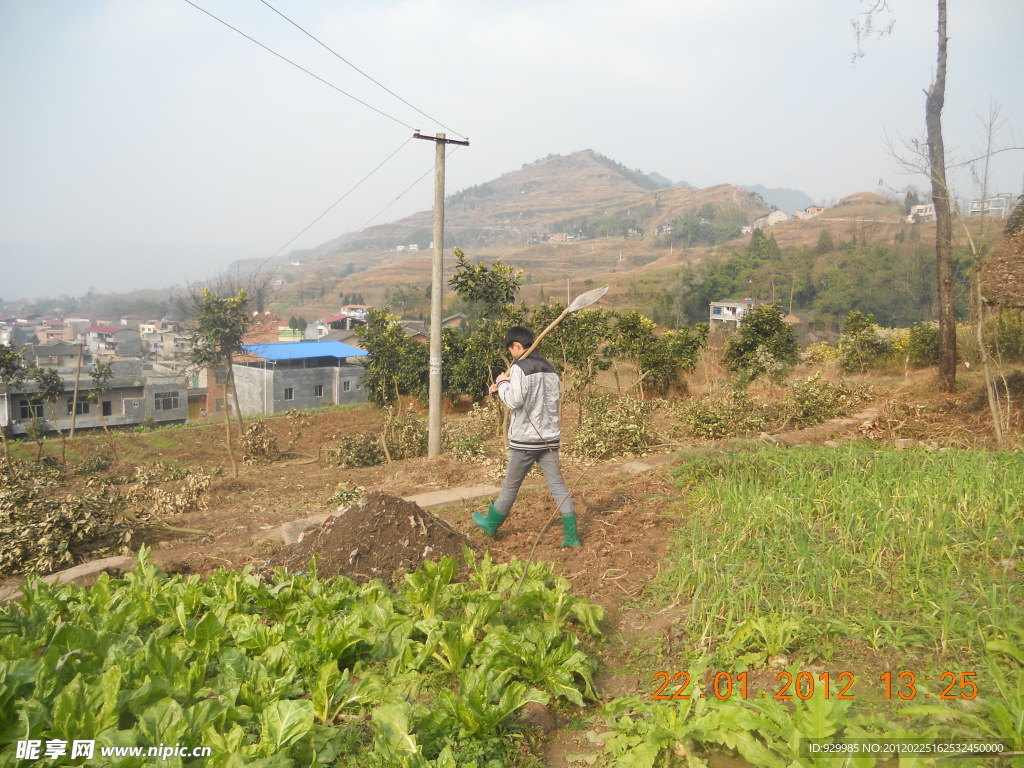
(802, 685)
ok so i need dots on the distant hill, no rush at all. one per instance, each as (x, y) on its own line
(788, 200)
(585, 194)
(557, 218)
(661, 181)
(564, 220)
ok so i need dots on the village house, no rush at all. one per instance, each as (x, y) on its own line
(197, 394)
(809, 212)
(729, 311)
(58, 353)
(417, 330)
(770, 219)
(166, 344)
(106, 340)
(997, 205)
(14, 333)
(923, 212)
(75, 323)
(356, 311)
(135, 396)
(50, 330)
(420, 329)
(306, 374)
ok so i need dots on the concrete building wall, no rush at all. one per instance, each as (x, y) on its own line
(128, 343)
(164, 400)
(251, 385)
(276, 389)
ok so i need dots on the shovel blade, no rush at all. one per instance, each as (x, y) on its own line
(586, 299)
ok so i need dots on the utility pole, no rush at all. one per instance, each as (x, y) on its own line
(436, 295)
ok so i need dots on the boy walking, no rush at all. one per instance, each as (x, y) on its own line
(531, 391)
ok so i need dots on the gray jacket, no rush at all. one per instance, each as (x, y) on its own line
(532, 394)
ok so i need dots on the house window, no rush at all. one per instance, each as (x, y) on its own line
(108, 407)
(346, 386)
(218, 404)
(318, 390)
(220, 377)
(289, 393)
(166, 401)
(81, 407)
(31, 410)
(716, 310)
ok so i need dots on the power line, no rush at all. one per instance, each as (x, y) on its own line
(403, 192)
(357, 69)
(336, 202)
(299, 66)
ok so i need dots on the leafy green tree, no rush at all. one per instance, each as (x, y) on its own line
(660, 359)
(763, 345)
(576, 347)
(488, 288)
(395, 364)
(825, 243)
(50, 390)
(13, 372)
(472, 360)
(861, 344)
(923, 344)
(409, 299)
(220, 326)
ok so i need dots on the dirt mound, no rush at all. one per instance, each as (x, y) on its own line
(380, 536)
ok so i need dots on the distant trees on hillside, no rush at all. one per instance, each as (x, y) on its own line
(895, 282)
(707, 225)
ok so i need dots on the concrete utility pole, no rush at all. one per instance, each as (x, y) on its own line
(436, 295)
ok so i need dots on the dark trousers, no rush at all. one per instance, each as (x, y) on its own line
(519, 463)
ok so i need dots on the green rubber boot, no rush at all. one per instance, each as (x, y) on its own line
(491, 521)
(572, 536)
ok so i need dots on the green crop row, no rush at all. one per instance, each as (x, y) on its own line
(298, 671)
(871, 560)
(893, 548)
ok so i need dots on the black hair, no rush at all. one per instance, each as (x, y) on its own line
(518, 333)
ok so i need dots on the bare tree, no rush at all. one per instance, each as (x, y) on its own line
(867, 25)
(943, 212)
(999, 410)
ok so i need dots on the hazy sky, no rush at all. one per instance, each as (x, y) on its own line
(142, 143)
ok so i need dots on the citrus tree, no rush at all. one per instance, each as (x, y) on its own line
(395, 363)
(660, 359)
(763, 345)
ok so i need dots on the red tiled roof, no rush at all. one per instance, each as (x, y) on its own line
(105, 329)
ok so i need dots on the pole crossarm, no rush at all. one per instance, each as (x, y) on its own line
(440, 139)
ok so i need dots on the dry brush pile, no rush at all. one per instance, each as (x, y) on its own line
(48, 521)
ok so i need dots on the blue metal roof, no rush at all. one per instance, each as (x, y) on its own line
(299, 350)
